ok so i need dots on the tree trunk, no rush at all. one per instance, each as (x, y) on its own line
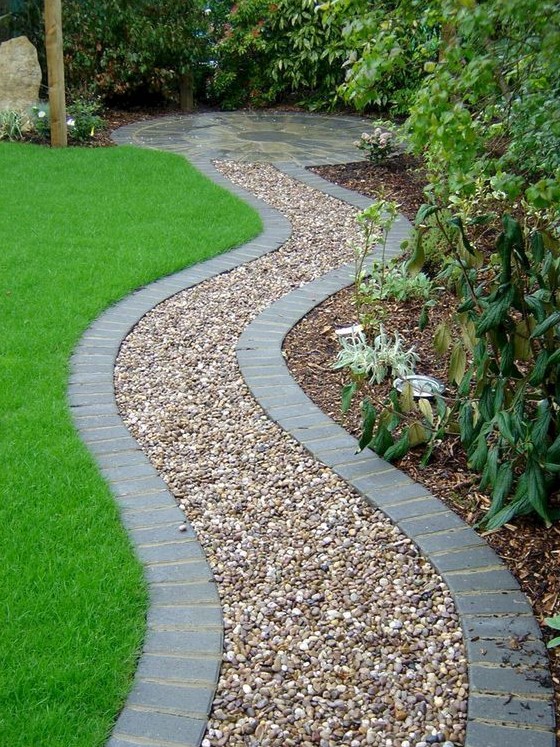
(186, 92)
(55, 70)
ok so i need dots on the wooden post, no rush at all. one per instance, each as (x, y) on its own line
(55, 70)
(186, 92)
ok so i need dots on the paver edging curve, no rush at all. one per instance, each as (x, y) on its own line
(179, 666)
(511, 700)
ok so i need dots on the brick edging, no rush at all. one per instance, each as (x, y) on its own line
(511, 700)
(179, 666)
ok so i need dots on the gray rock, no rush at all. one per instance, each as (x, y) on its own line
(20, 75)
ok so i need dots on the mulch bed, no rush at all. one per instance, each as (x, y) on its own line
(531, 552)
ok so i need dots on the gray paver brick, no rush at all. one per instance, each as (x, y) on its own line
(180, 668)
(78, 378)
(188, 570)
(188, 593)
(372, 483)
(100, 407)
(185, 616)
(155, 535)
(130, 458)
(131, 742)
(509, 680)
(512, 709)
(180, 549)
(493, 735)
(96, 421)
(90, 435)
(129, 472)
(318, 447)
(415, 508)
(510, 652)
(155, 499)
(351, 456)
(184, 642)
(474, 557)
(309, 420)
(114, 445)
(137, 519)
(500, 626)
(174, 698)
(283, 411)
(385, 495)
(369, 466)
(429, 524)
(484, 580)
(150, 725)
(492, 603)
(140, 485)
(456, 539)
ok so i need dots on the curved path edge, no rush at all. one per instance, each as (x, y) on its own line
(179, 666)
(509, 702)
(511, 699)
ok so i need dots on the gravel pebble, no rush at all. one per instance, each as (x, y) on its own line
(336, 630)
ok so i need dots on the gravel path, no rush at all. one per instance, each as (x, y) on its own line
(336, 630)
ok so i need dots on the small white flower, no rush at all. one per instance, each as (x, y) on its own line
(41, 114)
(70, 122)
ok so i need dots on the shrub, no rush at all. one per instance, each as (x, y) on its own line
(386, 355)
(389, 44)
(83, 120)
(395, 282)
(133, 48)
(12, 125)
(378, 145)
(269, 51)
(506, 409)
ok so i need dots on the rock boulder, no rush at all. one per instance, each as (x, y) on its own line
(20, 75)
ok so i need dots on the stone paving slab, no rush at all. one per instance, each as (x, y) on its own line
(183, 647)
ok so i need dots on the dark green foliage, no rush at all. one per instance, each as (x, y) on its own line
(390, 45)
(124, 49)
(266, 51)
(508, 418)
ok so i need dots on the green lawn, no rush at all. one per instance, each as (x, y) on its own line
(79, 229)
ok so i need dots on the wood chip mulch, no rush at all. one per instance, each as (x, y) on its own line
(531, 552)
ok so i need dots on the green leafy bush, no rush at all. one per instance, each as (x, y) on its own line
(377, 145)
(506, 409)
(268, 51)
(241, 73)
(83, 120)
(395, 282)
(127, 49)
(383, 357)
(389, 44)
(490, 107)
